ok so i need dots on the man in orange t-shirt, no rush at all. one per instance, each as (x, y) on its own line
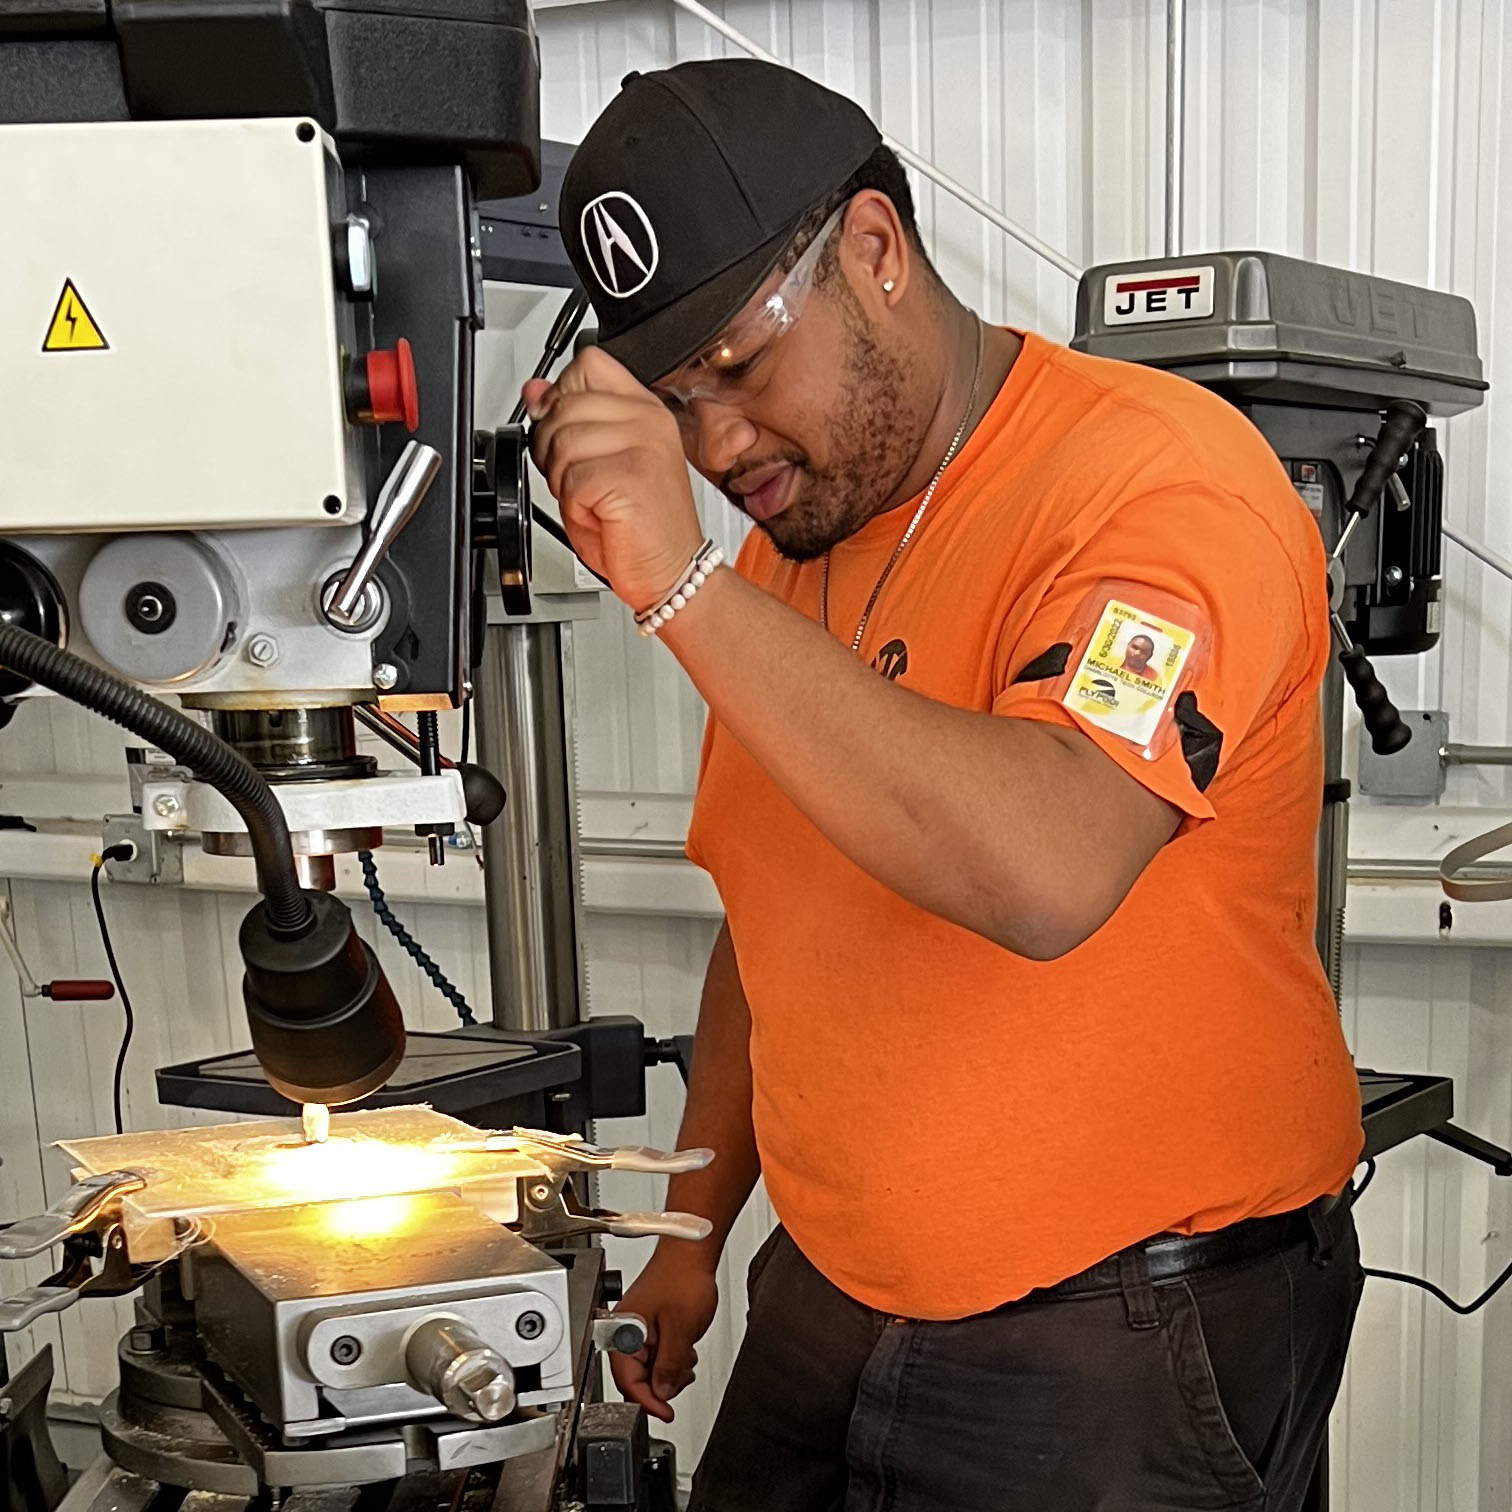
(1016, 1009)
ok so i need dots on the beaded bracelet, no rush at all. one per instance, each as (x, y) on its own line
(705, 560)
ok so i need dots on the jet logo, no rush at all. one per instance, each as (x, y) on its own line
(1167, 294)
(619, 244)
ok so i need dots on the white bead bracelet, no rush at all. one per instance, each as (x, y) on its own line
(706, 559)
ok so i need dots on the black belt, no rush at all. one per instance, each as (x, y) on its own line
(1170, 1256)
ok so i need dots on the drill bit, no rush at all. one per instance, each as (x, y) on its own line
(315, 1122)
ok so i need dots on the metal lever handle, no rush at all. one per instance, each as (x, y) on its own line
(26, 1307)
(1403, 424)
(398, 499)
(76, 1209)
(578, 1154)
(1388, 732)
(656, 1226)
(658, 1162)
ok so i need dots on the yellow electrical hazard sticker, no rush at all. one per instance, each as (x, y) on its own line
(1129, 671)
(73, 328)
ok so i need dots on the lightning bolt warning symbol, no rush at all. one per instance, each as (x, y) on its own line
(73, 328)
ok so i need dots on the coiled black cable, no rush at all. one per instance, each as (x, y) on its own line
(208, 756)
(417, 951)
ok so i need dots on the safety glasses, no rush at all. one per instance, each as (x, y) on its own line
(735, 367)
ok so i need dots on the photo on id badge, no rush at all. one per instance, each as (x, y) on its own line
(1129, 671)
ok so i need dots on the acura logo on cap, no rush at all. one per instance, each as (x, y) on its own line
(618, 243)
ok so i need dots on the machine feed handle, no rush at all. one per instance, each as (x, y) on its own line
(1402, 426)
(1388, 734)
(401, 495)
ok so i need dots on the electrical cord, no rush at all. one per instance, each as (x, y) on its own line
(1464, 1309)
(563, 329)
(1359, 1191)
(114, 853)
(414, 948)
(557, 533)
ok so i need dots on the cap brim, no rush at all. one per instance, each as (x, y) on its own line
(663, 341)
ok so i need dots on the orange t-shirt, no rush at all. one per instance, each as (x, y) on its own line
(944, 1125)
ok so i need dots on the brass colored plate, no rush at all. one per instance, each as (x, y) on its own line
(196, 1173)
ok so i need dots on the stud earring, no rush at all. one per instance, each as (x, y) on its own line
(888, 286)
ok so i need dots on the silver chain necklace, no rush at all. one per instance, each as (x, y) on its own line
(913, 524)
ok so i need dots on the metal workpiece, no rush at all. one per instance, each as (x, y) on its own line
(532, 875)
(469, 1377)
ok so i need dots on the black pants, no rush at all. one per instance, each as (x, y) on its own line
(1209, 1390)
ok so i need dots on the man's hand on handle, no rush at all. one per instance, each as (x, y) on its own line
(677, 1296)
(611, 455)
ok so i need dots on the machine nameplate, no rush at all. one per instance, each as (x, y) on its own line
(1134, 297)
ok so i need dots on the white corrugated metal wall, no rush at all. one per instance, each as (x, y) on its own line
(1362, 132)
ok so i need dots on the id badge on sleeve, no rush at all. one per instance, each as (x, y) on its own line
(1136, 649)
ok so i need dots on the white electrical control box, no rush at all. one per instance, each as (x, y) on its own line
(172, 336)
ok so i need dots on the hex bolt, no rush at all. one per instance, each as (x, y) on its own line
(346, 1350)
(262, 650)
(165, 805)
(385, 676)
(490, 1393)
(144, 1340)
(530, 1325)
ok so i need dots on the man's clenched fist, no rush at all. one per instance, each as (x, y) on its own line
(611, 455)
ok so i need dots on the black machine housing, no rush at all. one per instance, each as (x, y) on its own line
(432, 104)
(1313, 356)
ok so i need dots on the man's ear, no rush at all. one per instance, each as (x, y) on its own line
(875, 254)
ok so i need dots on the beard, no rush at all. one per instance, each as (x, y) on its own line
(875, 434)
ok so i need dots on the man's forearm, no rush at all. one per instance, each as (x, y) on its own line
(966, 815)
(718, 1113)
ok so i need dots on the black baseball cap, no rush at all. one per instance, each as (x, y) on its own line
(688, 188)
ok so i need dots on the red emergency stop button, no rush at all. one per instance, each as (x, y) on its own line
(393, 393)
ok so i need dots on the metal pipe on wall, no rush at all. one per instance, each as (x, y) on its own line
(1175, 124)
(530, 856)
(919, 164)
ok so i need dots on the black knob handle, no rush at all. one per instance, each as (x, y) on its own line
(1387, 732)
(483, 793)
(1403, 424)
